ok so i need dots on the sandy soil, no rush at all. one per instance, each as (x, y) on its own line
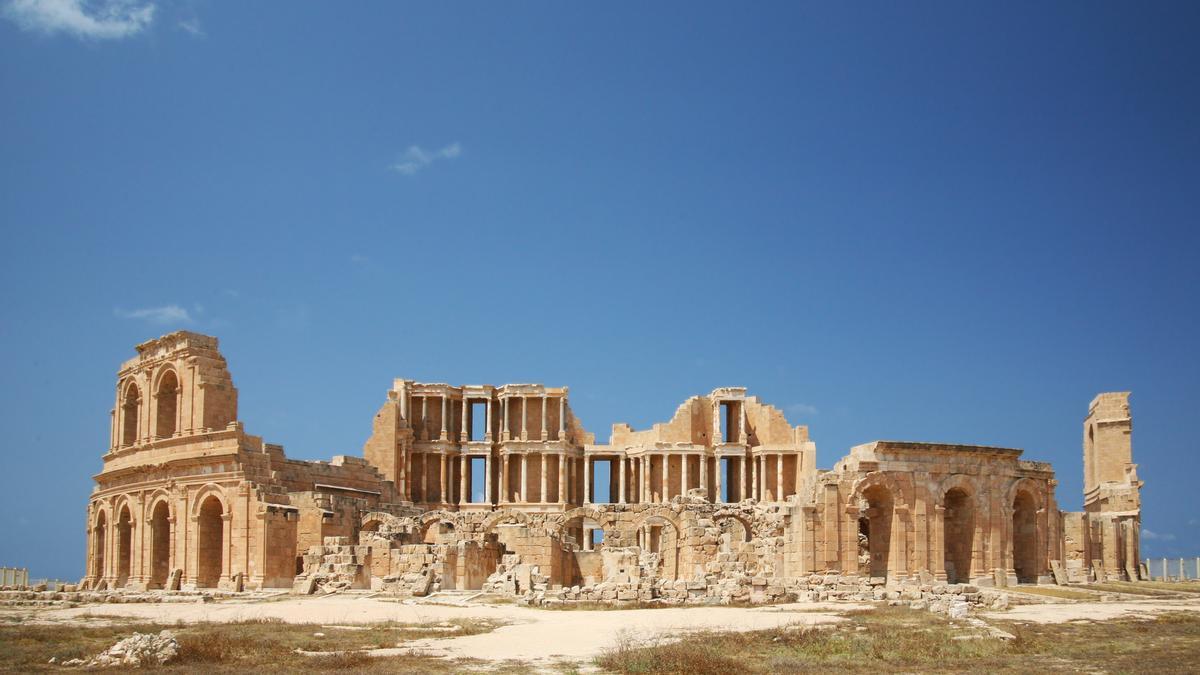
(529, 634)
(1094, 611)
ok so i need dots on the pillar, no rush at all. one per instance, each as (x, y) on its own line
(666, 478)
(464, 431)
(524, 474)
(562, 478)
(562, 418)
(504, 483)
(443, 484)
(621, 489)
(779, 477)
(704, 476)
(718, 497)
(545, 434)
(424, 435)
(464, 467)
(754, 477)
(741, 422)
(524, 423)
(683, 482)
(504, 419)
(487, 477)
(587, 480)
(444, 436)
(487, 430)
(542, 496)
(425, 476)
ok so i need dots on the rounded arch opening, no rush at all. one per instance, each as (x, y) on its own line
(877, 529)
(99, 544)
(1024, 537)
(959, 535)
(130, 402)
(210, 540)
(166, 404)
(124, 545)
(657, 534)
(160, 544)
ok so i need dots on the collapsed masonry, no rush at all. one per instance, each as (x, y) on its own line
(502, 489)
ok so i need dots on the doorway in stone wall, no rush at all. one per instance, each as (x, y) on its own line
(210, 538)
(1024, 538)
(959, 534)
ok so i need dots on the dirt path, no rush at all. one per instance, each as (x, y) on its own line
(530, 634)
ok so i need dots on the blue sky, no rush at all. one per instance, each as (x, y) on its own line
(923, 221)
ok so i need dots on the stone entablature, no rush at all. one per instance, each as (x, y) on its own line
(721, 503)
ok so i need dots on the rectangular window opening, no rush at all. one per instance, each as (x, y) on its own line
(477, 420)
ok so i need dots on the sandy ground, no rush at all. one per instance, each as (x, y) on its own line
(529, 634)
(544, 636)
(1094, 611)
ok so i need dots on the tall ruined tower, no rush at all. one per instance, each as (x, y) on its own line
(1111, 489)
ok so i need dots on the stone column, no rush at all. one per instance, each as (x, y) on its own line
(442, 476)
(487, 415)
(621, 490)
(587, 480)
(424, 435)
(562, 478)
(779, 477)
(444, 436)
(504, 486)
(718, 498)
(754, 477)
(683, 483)
(666, 478)
(487, 479)
(562, 418)
(464, 465)
(424, 476)
(798, 478)
(408, 472)
(504, 419)
(524, 498)
(542, 496)
(524, 420)
(741, 421)
(545, 434)
(464, 432)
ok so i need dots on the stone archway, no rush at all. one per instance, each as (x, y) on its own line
(210, 542)
(875, 524)
(124, 546)
(99, 546)
(160, 544)
(1024, 537)
(958, 535)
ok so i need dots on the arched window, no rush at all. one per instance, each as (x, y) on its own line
(166, 402)
(129, 415)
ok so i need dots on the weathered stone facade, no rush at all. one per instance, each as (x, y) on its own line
(723, 503)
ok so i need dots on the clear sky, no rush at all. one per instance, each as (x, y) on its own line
(921, 221)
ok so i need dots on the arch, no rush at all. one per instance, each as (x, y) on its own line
(877, 505)
(210, 541)
(883, 480)
(160, 542)
(131, 397)
(503, 517)
(209, 490)
(166, 403)
(124, 544)
(735, 532)
(443, 519)
(99, 543)
(1024, 537)
(958, 539)
(654, 537)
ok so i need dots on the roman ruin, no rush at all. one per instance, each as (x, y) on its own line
(496, 488)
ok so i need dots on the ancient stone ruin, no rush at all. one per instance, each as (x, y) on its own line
(479, 487)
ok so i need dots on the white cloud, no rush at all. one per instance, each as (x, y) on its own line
(192, 26)
(416, 158)
(165, 314)
(87, 19)
(802, 409)
(1155, 536)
